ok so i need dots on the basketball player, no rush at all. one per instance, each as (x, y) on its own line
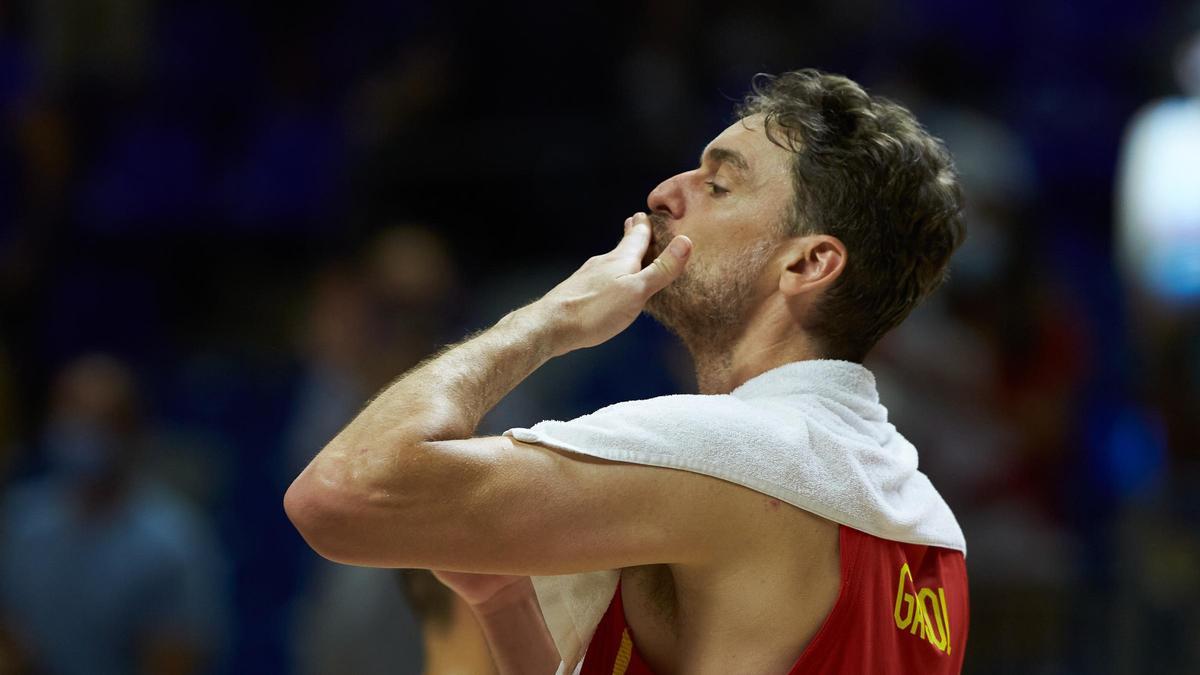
(812, 226)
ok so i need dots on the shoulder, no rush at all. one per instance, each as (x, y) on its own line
(672, 407)
(663, 427)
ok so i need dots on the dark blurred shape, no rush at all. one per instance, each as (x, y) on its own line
(1158, 248)
(355, 620)
(453, 640)
(428, 598)
(100, 41)
(8, 417)
(101, 569)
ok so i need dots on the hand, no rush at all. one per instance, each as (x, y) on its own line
(604, 296)
(478, 589)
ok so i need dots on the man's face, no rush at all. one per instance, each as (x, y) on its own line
(732, 207)
(90, 434)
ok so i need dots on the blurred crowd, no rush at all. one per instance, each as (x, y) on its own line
(224, 226)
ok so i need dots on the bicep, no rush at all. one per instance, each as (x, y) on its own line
(500, 506)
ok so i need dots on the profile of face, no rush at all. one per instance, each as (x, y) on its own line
(733, 207)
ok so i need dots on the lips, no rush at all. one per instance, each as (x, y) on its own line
(659, 238)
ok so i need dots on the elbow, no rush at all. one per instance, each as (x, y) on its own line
(320, 516)
(353, 516)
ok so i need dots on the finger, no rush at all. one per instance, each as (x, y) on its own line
(636, 239)
(667, 266)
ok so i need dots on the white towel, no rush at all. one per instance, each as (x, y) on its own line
(810, 433)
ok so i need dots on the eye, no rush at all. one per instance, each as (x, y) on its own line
(714, 189)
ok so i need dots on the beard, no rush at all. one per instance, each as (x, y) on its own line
(708, 304)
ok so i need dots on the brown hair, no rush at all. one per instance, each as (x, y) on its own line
(866, 172)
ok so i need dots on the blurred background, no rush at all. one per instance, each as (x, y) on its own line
(224, 225)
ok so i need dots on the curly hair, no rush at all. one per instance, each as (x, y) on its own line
(866, 172)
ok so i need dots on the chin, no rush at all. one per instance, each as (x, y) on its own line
(666, 307)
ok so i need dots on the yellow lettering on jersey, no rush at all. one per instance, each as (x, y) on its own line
(921, 612)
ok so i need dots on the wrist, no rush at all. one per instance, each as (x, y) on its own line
(546, 327)
(515, 595)
(516, 631)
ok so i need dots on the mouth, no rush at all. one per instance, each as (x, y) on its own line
(660, 236)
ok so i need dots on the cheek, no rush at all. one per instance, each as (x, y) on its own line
(734, 232)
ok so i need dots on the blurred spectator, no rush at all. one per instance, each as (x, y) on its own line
(103, 571)
(367, 324)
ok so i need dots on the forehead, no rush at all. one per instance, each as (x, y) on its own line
(767, 161)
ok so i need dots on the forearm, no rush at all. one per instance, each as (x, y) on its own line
(445, 397)
(399, 485)
(371, 493)
(516, 633)
(442, 399)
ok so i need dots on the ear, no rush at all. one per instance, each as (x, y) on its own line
(814, 262)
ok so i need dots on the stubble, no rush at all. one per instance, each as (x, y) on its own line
(707, 306)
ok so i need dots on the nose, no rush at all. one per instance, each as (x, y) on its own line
(668, 198)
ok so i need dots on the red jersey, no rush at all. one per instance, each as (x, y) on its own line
(902, 608)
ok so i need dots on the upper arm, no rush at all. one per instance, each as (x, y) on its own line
(497, 505)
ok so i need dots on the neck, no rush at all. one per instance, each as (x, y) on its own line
(769, 339)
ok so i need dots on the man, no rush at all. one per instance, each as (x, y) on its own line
(104, 570)
(812, 226)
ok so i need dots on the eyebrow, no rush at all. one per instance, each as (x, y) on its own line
(727, 156)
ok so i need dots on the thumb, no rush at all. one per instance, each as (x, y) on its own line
(667, 266)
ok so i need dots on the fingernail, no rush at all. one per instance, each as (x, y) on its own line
(680, 246)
